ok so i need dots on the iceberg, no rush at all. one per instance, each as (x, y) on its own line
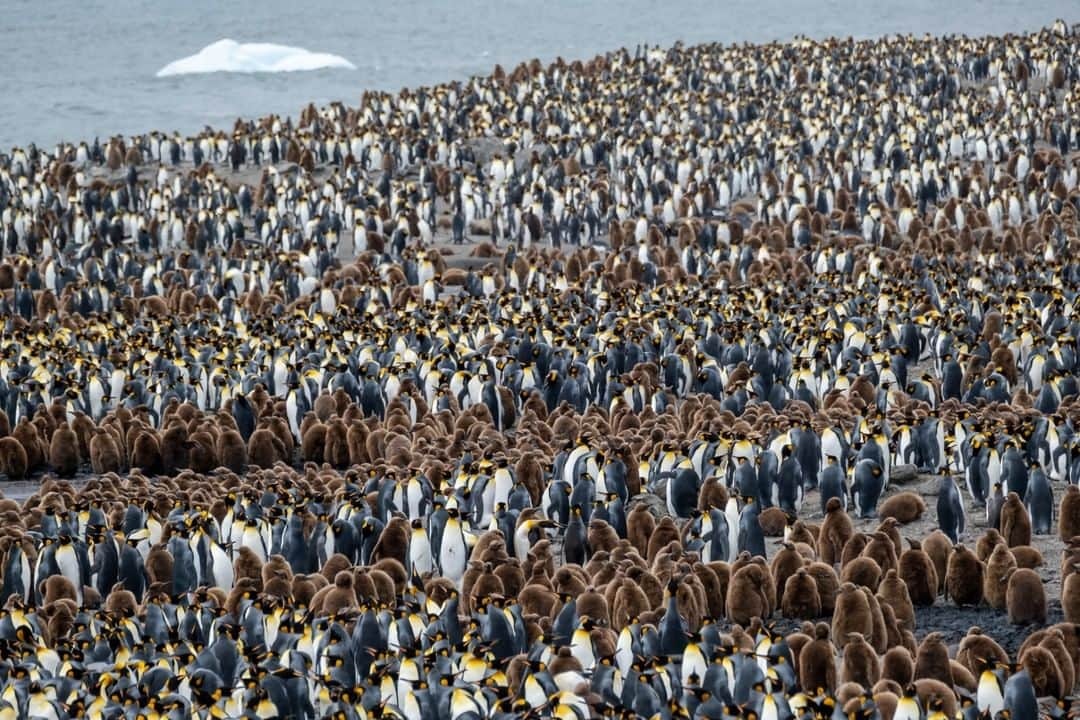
(230, 56)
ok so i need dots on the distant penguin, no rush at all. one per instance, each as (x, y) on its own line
(831, 483)
(1069, 513)
(964, 577)
(1015, 524)
(264, 449)
(999, 566)
(640, 525)
(232, 450)
(866, 487)
(1014, 471)
(950, 509)
(245, 416)
(453, 551)
(104, 454)
(1025, 598)
(920, 574)
(836, 529)
(64, 452)
(575, 541)
(70, 562)
(800, 597)
(672, 626)
(13, 459)
(751, 538)
(1039, 501)
(788, 491)
(683, 489)
(817, 661)
(994, 502)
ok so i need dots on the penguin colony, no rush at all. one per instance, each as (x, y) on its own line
(705, 284)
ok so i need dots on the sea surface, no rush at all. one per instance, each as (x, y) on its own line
(76, 69)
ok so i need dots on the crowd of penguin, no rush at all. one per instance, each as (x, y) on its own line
(300, 455)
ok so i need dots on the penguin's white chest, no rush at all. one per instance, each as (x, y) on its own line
(452, 556)
(68, 563)
(420, 553)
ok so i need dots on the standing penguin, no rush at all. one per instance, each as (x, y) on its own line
(1039, 500)
(419, 549)
(683, 489)
(831, 483)
(751, 537)
(952, 378)
(672, 627)
(950, 509)
(746, 478)
(1020, 699)
(718, 537)
(130, 569)
(989, 695)
(1014, 471)
(575, 541)
(768, 471)
(866, 487)
(978, 471)
(932, 443)
(993, 506)
(453, 551)
(731, 513)
(295, 408)
(788, 492)
(245, 416)
(71, 562)
(185, 577)
(17, 574)
(808, 450)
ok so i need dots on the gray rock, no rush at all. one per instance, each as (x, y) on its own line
(524, 155)
(903, 474)
(484, 148)
(654, 503)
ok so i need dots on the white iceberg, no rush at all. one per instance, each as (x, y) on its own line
(230, 56)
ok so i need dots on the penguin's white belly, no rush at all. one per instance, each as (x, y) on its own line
(420, 555)
(452, 558)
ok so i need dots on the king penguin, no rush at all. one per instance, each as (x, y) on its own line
(419, 549)
(866, 487)
(672, 629)
(1039, 500)
(751, 537)
(950, 509)
(295, 408)
(453, 550)
(682, 490)
(70, 565)
(831, 483)
(788, 492)
(575, 540)
(988, 693)
(1020, 699)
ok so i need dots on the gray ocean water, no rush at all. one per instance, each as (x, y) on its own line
(76, 69)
